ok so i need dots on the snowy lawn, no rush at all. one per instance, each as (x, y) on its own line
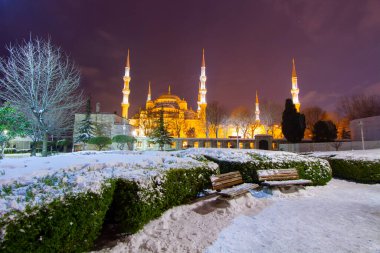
(340, 217)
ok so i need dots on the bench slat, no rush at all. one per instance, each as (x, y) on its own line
(221, 177)
(237, 190)
(237, 180)
(279, 177)
(226, 185)
(287, 182)
(282, 174)
(226, 180)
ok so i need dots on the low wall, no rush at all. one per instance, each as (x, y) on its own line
(328, 146)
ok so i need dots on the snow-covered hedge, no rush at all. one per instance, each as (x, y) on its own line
(70, 224)
(134, 206)
(362, 166)
(360, 171)
(249, 161)
(47, 208)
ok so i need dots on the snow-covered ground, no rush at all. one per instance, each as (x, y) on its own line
(368, 155)
(340, 217)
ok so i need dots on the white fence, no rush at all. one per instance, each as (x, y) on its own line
(328, 146)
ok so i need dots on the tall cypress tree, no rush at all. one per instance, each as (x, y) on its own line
(160, 134)
(293, 123)
(86, 127)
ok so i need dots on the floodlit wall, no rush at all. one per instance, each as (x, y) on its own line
(328, 146)
(371, 129)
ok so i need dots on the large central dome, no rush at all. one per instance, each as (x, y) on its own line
(169, 97)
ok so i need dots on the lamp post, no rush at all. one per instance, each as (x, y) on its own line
(134, 134)
(361, 132)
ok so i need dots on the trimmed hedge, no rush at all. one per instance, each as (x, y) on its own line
(134, 206)
(360, 171)
(72, 224)
(316, 171)
(69, 225)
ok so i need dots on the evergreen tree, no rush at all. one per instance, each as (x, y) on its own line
(324, 131)
(160, 134)
(293, 123)
(12, 124)
(86, 127)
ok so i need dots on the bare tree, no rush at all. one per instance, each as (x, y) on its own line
(147, 121)
(177, 123)
(41, 81)
(359, 106)
(215, 114)
(240, 120)
(312, 116)
(241, 117)
(253, 126)
(270, 114)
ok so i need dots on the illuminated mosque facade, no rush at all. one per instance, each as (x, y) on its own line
(183, 122)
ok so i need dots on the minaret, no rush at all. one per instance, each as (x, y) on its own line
(295, 89)
(199, 97)
(257, 111)
(149, 103)
(149, 98)
(202, 104)
(126, 91)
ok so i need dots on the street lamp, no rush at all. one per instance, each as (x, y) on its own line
(124, 128)
(361, 131)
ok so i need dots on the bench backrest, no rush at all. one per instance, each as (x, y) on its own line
(226, 180)
(271, 175)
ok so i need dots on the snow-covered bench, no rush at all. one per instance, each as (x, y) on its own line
(223, 182)
(281, 178)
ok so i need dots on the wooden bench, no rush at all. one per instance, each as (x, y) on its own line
(281, 178)
(223, 182)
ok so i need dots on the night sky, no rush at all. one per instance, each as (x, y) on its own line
(249, 45)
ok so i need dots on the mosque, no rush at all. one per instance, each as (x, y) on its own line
(183, 122)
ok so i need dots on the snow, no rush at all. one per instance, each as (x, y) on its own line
(245, 155)
(34, 181)
(340, 217)
(366, 155)
(287, 182)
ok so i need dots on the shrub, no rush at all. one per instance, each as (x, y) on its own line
(72, 224)
(356, 170)
(316, 170)
(121, 140)
(100, 142)
(324, 131)
(134, 205)
(69, 225)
